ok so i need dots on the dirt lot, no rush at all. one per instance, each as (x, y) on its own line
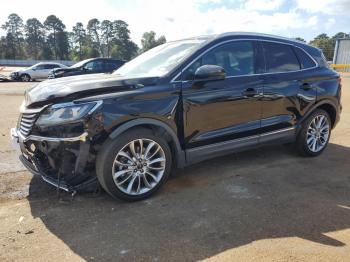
(264, 205)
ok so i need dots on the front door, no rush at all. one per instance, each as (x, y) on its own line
(223, 110)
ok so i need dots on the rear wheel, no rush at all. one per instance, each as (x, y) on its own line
(25, 78)
(134, 165)
(315, 133)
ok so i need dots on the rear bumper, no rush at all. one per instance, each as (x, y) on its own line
(32, 161)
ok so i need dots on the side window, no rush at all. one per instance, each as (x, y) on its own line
(39, 67)
(55, 66)
(89, 66)
(304, 59)
(111, 65)
(51, 66)
(94, 65)
(279, 58)
(237, 58)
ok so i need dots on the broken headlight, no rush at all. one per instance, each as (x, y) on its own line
(66, 113)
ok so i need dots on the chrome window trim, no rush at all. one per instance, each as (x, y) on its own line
(255, 74)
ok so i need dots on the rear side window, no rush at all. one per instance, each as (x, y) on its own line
(52, 66)
(237, 58)
(304, 59)
(111, 65)
(279, 58)
(39, 67)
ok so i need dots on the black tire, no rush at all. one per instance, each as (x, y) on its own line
(301, 142)
(25, 78)
(108, 153)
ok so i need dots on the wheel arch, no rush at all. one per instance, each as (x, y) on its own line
(159, 128)
(25, 73)
(329, 106)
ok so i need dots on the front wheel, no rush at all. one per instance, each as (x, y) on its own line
(134, 165)
(315, 133)
(25, 78)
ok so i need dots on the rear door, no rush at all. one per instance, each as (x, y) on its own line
(44, 71)
(36, 71)
(287, 88)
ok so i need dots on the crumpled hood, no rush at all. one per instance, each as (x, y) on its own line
(51, 91)
(65, 69)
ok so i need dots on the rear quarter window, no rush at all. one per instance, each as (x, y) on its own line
(279, 58)
(111, 65)
(304, 59)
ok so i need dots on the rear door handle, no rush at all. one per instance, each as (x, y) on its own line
(249, 92)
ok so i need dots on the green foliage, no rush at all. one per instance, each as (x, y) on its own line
(57, 39)
(14, 42)
(327, 44)
(94, 31)
(79, 41)
(149, 41)
(51, 40)
(35, 38)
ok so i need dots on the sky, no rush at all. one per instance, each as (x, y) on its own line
(185, 18)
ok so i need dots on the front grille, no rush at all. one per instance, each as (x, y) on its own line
(26, 123)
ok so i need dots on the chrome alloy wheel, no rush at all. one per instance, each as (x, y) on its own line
(318, 133)
(25, 78)
(139, 166)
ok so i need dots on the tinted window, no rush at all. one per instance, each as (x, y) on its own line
(111, 65)
(280, 58)
(56, 66)
(39, 67)
(304, 59)
(52, 66)
(96, 65)
(237, 58)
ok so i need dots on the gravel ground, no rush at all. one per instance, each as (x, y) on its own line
(263, 205)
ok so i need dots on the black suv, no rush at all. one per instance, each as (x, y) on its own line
(177, 104)
(88, 66)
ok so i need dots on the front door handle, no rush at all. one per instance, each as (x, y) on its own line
(305, 86)
(249, 92)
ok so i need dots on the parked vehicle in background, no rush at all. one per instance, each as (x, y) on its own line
(177, 104)
(37, 71)
(88, 66)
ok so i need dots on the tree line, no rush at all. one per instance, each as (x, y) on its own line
(49, 40)
(326, 43)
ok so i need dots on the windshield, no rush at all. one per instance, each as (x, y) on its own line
(34, 66)
(159, 60)
(79, 64)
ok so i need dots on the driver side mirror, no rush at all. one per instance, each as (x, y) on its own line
(210, 73)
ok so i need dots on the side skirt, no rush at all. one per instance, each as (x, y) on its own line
(198, 154)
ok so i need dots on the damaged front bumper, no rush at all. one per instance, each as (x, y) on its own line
(37, 160)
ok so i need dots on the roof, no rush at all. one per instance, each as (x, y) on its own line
(243, 34)
(259, 35)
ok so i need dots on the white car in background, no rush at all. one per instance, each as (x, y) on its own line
(37, 71)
